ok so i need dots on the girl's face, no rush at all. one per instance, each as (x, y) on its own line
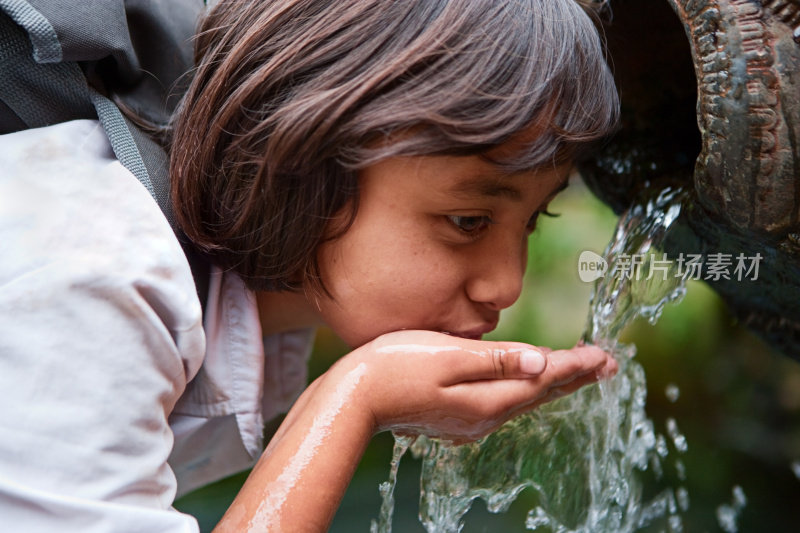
(438, 243)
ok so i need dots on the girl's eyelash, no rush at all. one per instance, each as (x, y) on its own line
(535, 217)
(474, 225)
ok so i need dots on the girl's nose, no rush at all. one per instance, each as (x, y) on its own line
(496, 279)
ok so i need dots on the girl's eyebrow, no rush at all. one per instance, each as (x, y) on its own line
(491, 186)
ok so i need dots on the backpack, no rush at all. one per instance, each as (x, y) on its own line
(60, 60)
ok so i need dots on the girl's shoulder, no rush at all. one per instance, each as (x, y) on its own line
(66, 203)
(63, 183)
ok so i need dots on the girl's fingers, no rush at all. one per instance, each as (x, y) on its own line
(465, 359)
(522, 362)
(472, 360)
(495, 361)
(564, 365)
(567, 371)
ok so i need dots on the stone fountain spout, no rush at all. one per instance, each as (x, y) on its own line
(711, 101)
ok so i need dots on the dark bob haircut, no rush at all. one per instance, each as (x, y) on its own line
(290, 98)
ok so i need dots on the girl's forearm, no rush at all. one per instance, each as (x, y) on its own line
(301, 477)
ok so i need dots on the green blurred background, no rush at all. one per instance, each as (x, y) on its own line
(739, 402)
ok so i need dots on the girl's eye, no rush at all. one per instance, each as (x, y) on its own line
(470, 224)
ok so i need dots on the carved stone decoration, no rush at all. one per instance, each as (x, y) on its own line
(743, 59)
(747, 64)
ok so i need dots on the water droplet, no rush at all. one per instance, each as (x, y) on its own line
(796, 468)
(739, 499)
(677, 437)
(673, 508)
(672, 392)
(661, 446)
(727, 515)
(726, 518)
(683, 498)
(680, 468)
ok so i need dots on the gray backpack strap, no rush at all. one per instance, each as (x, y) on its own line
(38, 93)
(145, 158)
(38, 89)
(42, 93)
(121, 139)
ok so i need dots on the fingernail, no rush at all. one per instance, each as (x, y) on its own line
(531, 362)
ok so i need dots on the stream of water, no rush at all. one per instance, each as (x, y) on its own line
(583, 455)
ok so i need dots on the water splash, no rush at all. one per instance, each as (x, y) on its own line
(581, 454)
(384, 523)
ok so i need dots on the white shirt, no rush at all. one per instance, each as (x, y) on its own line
(114, 394)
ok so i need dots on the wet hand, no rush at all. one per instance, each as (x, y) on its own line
(461, 389)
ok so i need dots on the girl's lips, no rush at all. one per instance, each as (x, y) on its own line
(474, 333)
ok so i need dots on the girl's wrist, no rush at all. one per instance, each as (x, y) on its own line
(347, 387)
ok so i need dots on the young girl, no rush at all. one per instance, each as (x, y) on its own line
(372, 165)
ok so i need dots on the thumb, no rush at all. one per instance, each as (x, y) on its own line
(503, 360)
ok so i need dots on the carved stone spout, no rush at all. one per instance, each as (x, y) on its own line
(739, 60)
(747, 64)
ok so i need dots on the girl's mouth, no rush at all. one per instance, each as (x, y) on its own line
(476, 333)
